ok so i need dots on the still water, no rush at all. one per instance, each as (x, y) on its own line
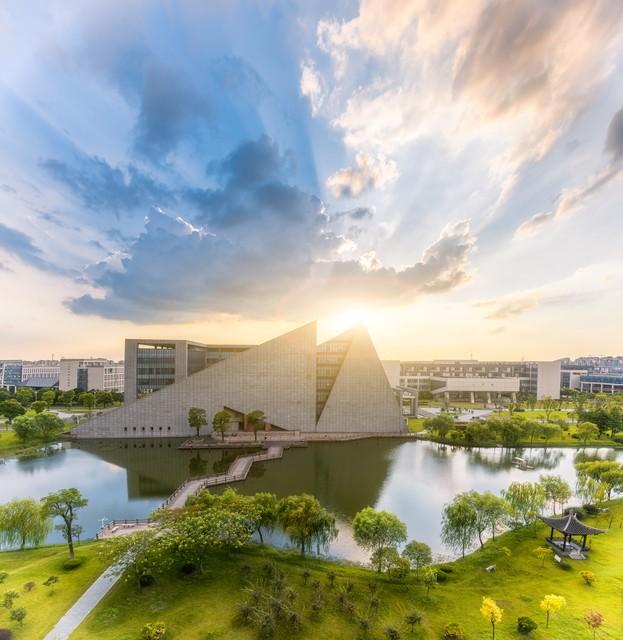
(128, 479)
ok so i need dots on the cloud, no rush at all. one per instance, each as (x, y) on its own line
(584, 286)
(21, 246)
(358, 213)
(311, 86)
(171, 110)
(368, 173)
(258, 246)
(571, 199)
(104, 188)
(5, 269)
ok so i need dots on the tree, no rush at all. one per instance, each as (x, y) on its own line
(220, 423)
(22, 522)
(47, 425)
(594, 620)
(549, 431)
(491, 612)
(87, 400)
(197, 418)
(542, 553)
(531, 429)
(441, 423)
(458, 527)
(491, 511)
(429, 578)
(414, 618)
(9, 598)
(548, 405)
(18, 615)
(10, 409)
(48, 397)
(374, 530)
(38, 406)
(24, 396)
(418, 554)
(552, 604)
(578, 399)
(266, 518)
(526, 501)
(24, 427)
(50, 583)
(305, 522)
(556, 490)
(103, 398)
(68, 398)
(587, 431)
(256, 421)
(64, 504)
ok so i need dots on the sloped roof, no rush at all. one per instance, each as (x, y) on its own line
(40, 381)
(571, 526)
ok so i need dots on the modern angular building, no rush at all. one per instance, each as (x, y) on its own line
(339, 386)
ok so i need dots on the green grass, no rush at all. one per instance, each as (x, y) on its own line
(44, 608)
(202, 608)
(11, 445)
(416, 424)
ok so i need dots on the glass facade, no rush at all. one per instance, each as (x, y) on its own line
(155, 367)
(329, 358)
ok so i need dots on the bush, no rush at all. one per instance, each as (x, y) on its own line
(526, 625)
(588, 576)
(154, 631)
(446, 568)
(591, 509)
(3, 576)
(146, 580)
(29, 586)
(442, 577)
(453, 631)
(71, 564)
(391, 633)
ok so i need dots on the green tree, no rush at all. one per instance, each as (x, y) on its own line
(24, 427)
(587, 431)
(491, 512)
(47, 425)
(49, 397)
(305, 522)
(491, 612)
(418, 554)
(542, 553)
(38, 406)
(413, 619)
(256, 421)
(549, 405)
(266, 517)
(221, 422)
(10, 409)
(103, 398)
(22, 522)
(442, 423)
(18, 615)
(429, 578)
(68, 398)
(579, 400)
(526, 501)
(374, 530)
(556, 490)
(87, 400)
(9, 598)
(65, 504)
(24, 396)
(458, 526)
(197, 418)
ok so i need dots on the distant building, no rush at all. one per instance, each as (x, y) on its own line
(338, 386)
(602, 383)
(152, 364)
(91, 374)
(10, 374)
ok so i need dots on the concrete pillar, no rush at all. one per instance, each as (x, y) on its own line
(514, 396)
(472, 398)
(488, 397)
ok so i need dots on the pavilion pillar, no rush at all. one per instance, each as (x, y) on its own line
(564, 544)
(551, 534)
(584, 541)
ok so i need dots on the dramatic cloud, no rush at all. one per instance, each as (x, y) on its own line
(20, 246)
(104, 188)
(258, 246)
(570, 200)
(368, 173)
(359, 213)
(311, 86)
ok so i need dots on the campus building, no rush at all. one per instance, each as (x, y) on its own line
(339, 386)
(91, 374)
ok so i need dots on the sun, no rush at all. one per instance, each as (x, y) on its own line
(341, 322)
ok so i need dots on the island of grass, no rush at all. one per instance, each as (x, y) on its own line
(202, 606)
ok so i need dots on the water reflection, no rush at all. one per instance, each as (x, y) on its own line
(128, 479)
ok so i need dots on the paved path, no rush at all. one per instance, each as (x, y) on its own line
(83, 606)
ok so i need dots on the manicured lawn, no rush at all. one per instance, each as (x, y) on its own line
(202, 608)
(416, 424)
(36, 565)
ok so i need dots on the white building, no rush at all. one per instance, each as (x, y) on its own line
(88, 374)
(548, 380)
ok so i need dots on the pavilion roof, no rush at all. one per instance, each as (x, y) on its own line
(571, 526)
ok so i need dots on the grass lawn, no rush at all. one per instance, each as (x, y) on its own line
(36, 565)
(203, 608)
(416, 424)
(8, 441)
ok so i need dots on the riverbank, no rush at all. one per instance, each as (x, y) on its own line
(518, 585)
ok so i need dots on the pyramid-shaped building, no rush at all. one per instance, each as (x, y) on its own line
(338, 386)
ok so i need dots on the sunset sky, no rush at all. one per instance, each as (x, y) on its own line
(225, 171)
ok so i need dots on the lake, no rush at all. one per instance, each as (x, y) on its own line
(130, 478)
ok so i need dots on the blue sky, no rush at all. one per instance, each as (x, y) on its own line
(227, 170)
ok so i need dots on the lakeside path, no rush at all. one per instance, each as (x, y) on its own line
(84, 605)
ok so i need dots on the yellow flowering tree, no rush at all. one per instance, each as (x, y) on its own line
(491, 612)
(552, 604)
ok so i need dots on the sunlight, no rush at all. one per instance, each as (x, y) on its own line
(341, 322)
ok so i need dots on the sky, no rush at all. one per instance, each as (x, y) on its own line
(448, 173)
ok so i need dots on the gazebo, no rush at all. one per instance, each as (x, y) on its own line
(569, 526)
